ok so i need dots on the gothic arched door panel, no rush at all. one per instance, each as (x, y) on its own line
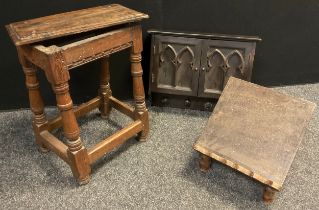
(184, 73)
(214, 78)
(167, 64)
(221, 60)
(176, 64)
(235, 66)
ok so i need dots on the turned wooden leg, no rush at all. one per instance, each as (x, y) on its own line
(39, 121)
(269, 194)
(105, 89)
(139, 95)
(205, 163)
(79, 160)
(138, 87)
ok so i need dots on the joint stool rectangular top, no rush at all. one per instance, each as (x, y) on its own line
(75, 22)
(58, 43)
(256, 131)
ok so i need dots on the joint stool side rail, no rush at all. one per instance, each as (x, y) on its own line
(122, 107)
(78, 111)
(55, 145)
(98, 56)
(36, 54)
(90, 40)
(99, 45)
(238, 167)
(74, 55)
(114, 141)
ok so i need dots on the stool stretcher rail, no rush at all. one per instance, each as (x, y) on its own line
(78, 111)
(114, 140)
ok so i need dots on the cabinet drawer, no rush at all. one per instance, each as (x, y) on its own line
(182, 101)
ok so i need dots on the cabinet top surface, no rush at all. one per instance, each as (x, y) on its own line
(53, 26)
(207, 35)
(255, 130)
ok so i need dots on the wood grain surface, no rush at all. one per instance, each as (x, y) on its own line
(53, 26)
(256, 131)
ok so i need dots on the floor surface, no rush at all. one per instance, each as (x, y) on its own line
(161, 173)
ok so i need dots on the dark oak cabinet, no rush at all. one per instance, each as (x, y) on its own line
(191, 70)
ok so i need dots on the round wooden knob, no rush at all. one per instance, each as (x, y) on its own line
(164, 101)
(187, 103)
(208, 106)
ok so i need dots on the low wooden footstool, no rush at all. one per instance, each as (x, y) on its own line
(62, 42)
(256, 131)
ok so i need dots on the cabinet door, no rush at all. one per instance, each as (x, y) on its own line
(221, 60)
(175, 65)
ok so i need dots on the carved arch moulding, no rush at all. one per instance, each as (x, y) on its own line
(177, 58)
(225, 63)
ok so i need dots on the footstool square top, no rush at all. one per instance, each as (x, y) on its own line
(256, 131)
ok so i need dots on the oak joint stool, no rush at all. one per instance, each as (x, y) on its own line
(62, 42)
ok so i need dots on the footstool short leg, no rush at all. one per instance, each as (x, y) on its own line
(105, 89)
(36, 102)
(269, 194)
(205, 163)
(138, 87)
